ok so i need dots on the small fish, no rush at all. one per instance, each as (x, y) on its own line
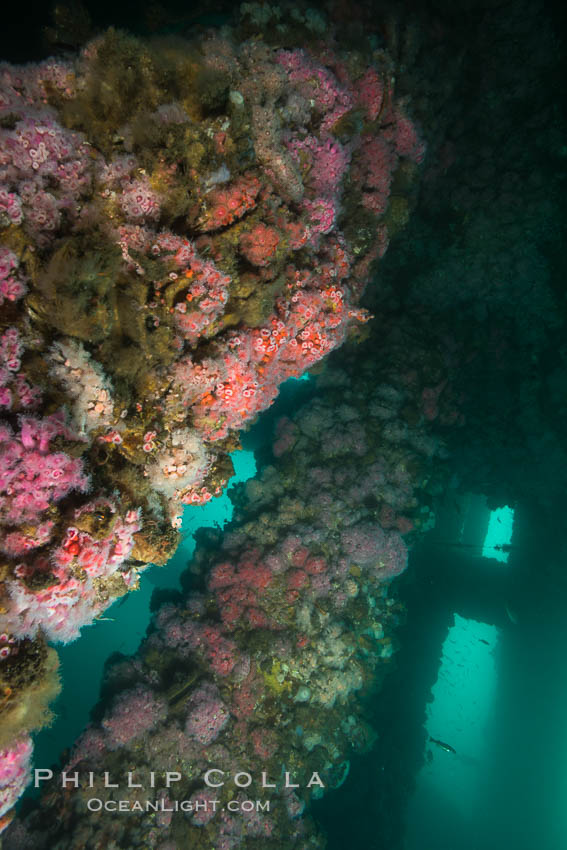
(511, 614)
(447, 747)
(482, 640)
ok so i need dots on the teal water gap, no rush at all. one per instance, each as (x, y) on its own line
(123, 626)
(125, 623)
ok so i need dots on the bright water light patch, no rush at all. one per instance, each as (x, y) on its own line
(215, 513)
(457, 718)
(218, 511)
(472, 525)
(499, 534)
(464, 690)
